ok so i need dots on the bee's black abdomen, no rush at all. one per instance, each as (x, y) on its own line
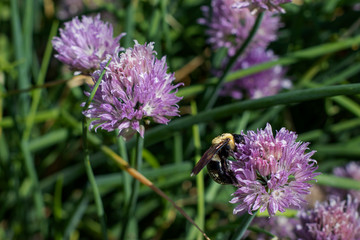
(219, 173)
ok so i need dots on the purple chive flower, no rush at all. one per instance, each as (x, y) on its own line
(84, 43)
(266, 83)
(273, 173)
(261, 5)
(134, 91)
(333, 219)
(351, 170)
(229, 27)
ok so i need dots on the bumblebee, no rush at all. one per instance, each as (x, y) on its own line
(216, 158)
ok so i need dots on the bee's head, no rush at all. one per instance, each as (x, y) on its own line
(238, 138)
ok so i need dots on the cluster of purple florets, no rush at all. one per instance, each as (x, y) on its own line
(274, 173)
(136, 88)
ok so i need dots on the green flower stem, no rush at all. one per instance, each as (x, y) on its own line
(215, 93)
(139, 150)
(131, 208)
(245, 222)
(91, 177)
(160, 133)
(88, 169)
(127, 178)
(200, 176)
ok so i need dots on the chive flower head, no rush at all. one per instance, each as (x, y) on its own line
(134, 91)
(272, 172)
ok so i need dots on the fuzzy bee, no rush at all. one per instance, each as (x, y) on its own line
(216, 158)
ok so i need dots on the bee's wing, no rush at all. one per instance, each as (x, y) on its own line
(206, 158)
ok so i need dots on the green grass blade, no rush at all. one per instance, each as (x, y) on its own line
(338, 182)
(200, 176)
(161, 132)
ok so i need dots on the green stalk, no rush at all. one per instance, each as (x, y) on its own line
(338, 182)
(200, 176)
(130, 23)
(88, 169)
(127, 179)
(139, 150)
(31, 172)
(23, 67)
(136, 163)
(40, 80)
(178, 148)
(214, 95)
(245, 222)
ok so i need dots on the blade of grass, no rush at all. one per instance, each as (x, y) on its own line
(28, 23)
(40, 80)
(245, 221)
(244, 121)
(200, 175)
(160, 133)
(130, 23)
(77, 215)
(178, 147)
(58, 205)
(343, 150)
(338, 182)
(38, 198)
(42, 116)
(23, 67)
(165, 27)
(348, 104)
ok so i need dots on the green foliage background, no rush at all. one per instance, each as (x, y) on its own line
(44, 189)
